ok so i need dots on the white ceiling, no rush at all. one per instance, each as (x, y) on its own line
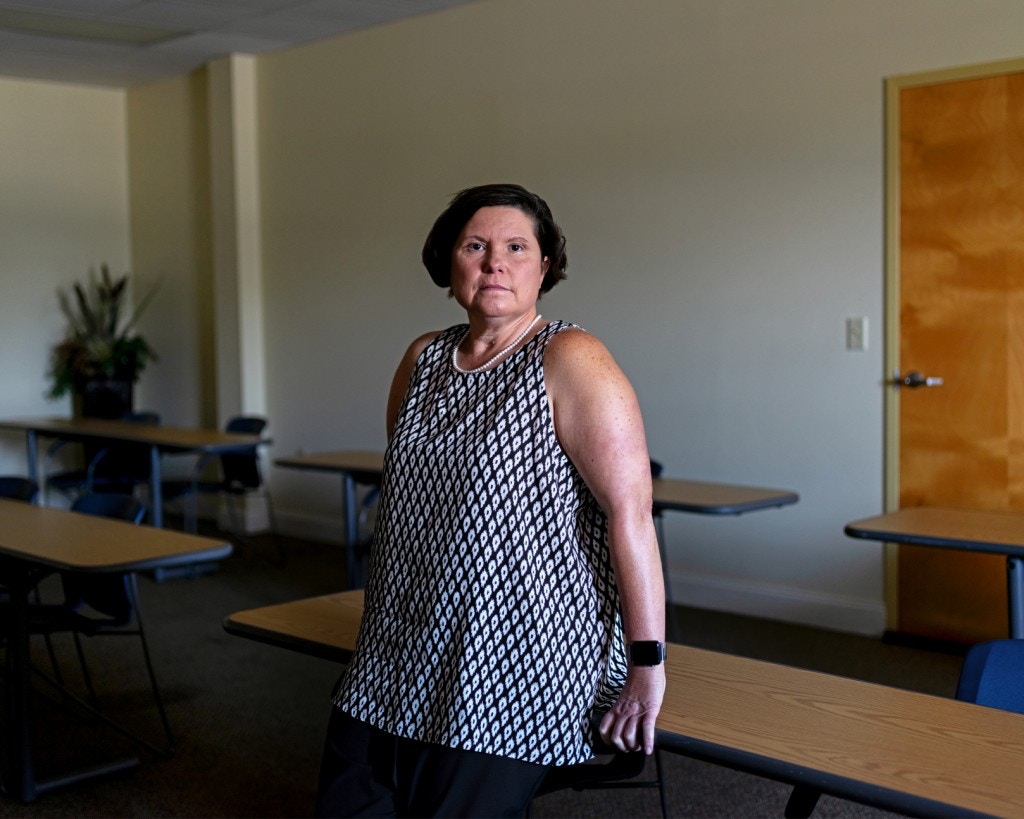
(89, 45)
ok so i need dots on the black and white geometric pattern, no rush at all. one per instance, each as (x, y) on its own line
(492, 619)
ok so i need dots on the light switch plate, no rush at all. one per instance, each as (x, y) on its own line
(857, 333)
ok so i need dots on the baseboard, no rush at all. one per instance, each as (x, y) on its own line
(936, 644)
(855, 615)
(216, 509)
(318, 528)
(254, 511)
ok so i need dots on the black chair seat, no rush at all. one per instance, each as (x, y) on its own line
(580, 777)
(56, 618)
(620, 771)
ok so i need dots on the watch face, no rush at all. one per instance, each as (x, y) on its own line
(646, 652)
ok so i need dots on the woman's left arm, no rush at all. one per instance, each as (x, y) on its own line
(598, 423)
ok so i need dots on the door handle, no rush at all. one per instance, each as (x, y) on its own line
(914, 379)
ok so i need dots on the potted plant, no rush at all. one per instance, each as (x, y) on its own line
(101, 356)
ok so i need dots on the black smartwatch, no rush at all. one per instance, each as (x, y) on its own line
(645, 652)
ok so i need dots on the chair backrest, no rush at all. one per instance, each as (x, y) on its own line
(241, 470)
(993, 675)
(126, 464)
(591, 775)
(110, 505)
(109, 594)
(17, 488)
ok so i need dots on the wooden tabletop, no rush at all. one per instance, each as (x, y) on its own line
(700, 497)
(338, 461)
(67, 540)
(870, 743)
(167, 438)
(706, 498)
(899, 749)
(324, 626)
(962, 529)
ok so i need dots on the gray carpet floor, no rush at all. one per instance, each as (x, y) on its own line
(249, 718)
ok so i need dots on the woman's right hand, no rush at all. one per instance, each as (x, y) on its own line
(629, 724)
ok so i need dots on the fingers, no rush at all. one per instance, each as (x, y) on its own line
(630, 724)
(650, 718)
(628, 732)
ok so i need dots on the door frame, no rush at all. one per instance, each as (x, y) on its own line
(891, 477)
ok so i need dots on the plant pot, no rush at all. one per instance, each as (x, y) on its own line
(103, 398)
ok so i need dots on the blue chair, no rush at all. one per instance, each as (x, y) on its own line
(122, 467)
(238, 474)
(98, 604)
(115, 467)
(993, 675)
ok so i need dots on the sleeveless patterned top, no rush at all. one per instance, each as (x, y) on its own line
(492, 618)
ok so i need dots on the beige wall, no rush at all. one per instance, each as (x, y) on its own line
(170, 224)
(63, 210)
(718, 170)
(195, 225)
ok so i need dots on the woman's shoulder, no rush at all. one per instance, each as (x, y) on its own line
(582, 379)
(570, 340)
(574, 353)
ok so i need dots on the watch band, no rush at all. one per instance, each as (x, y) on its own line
(645, 652)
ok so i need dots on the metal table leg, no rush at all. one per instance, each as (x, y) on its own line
(19, 776)
(354, 578)
(1015, 595)
(156, 492)
(32, 447)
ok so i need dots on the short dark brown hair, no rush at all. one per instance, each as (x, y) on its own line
(437, 250)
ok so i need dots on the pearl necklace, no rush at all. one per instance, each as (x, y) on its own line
(493, 358)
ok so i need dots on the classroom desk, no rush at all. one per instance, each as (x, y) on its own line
(160, 439)
(971, 530)
(670, 495)
(706, 498)
(899, 750)
(36, 541)
(354, 466)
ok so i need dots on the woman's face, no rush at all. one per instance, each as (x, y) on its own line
(497, 266)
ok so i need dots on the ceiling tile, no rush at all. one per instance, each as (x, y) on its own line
(215, 28)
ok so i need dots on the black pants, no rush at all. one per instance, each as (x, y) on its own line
(368, 772)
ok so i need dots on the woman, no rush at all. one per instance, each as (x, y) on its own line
(515, 563)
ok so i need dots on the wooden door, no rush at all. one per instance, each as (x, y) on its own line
(961, 318)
